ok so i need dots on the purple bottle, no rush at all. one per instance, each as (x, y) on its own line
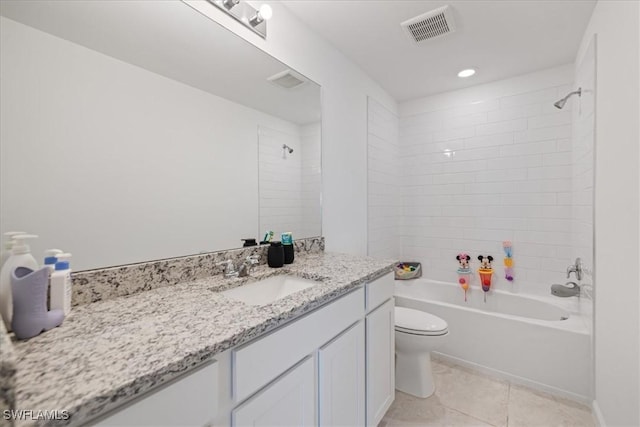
(30, 314)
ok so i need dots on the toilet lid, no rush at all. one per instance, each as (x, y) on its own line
(418, 322)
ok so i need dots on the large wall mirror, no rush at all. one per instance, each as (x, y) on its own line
(141, 130)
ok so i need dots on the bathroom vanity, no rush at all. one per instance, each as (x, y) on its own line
(188, 355)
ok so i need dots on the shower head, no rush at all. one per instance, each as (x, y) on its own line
(560, 104)
(286, 147)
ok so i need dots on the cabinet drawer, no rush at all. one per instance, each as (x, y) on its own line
(259, 362)
(191, 400)
(379, 290)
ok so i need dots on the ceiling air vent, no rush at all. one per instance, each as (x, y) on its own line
(287, 79)
(430, 25)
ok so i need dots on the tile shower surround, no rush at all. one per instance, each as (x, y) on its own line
(107, 283)
(473, 167)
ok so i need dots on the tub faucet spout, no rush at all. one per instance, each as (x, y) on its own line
(569, 289)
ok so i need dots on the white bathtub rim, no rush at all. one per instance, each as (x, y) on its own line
(515, 379)
(578, 320)
(575, 323)
(570, 304)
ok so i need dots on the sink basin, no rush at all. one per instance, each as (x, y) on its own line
(268, 290)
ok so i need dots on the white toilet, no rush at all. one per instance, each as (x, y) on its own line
(417, 334)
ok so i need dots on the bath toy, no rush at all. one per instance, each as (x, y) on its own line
(486, 272)
(464, 272)
(508, 260)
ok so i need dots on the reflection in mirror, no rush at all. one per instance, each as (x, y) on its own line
(289, 165)
(129, 130)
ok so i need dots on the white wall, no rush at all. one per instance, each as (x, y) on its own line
(311, 141)
(617, 300)
(384, 171)
(87, 130)
(345, 88)
(487, 164)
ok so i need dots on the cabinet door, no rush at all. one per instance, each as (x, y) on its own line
(288, 401)
(380, 362)
(341, 376)
(189, 401)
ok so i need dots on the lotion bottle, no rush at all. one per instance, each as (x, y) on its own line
(8, 244)
(61, 285)
(20, 257)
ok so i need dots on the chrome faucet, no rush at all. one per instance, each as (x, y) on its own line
(575, 268)
(229, 269)
(249, 263)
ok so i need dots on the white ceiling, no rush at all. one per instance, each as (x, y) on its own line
(499, 38)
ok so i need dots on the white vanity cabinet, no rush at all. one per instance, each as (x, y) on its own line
(341, 377)
(191, 400)
(288, 401)
(331, 367)
(380, 348)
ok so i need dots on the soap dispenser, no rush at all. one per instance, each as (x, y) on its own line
(20, 257)
(275, 254)
(50, 258)
(8, 244)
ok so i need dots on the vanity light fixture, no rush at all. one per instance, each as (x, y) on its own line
(466, 73)
(230, 3)
(263, 14)
(250, 17)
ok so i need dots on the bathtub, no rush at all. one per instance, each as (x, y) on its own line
(542, 342)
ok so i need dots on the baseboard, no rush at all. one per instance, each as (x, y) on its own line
(597, 414)
(514, 379)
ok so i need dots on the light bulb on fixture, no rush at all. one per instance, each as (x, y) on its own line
(264, 14)
(466, 73)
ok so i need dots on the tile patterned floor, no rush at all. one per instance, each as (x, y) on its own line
(467, 398)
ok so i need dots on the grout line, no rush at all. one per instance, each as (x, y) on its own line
(469, 415)
(508, 400)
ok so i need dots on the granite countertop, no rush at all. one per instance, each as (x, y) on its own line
(108, 352)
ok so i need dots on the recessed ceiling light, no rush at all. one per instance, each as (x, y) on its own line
(466, 73)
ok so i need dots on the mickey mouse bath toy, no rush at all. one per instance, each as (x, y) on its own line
(464, 272)
(485, 271)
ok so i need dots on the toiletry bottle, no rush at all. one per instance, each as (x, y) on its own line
(8, 244)
(61, 285)
(50, 258)
(287, 245)
(275, 254)
(20, 257)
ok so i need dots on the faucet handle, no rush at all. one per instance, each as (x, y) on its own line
(229, 268)
(575, 268)
(253, 259)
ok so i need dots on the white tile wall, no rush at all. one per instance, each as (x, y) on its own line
(475, 173)
(384, 196)
(280, 181)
